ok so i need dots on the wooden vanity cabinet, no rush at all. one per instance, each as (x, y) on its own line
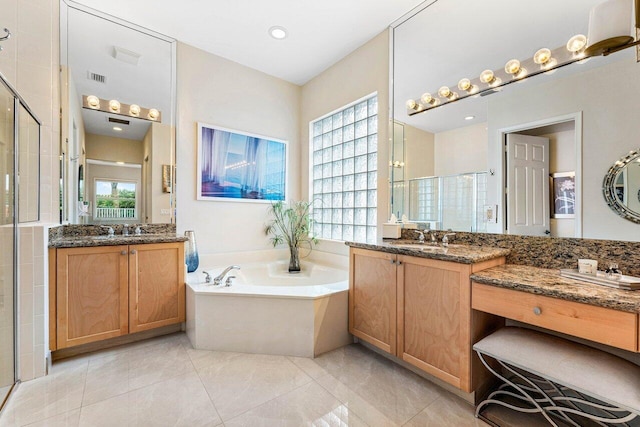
(156, 285)
(92, 294)
(372, 298)
(432, 326)
(107, 291)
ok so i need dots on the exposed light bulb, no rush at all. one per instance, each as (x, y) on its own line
(487, 77)
(154, 114)
(444, 92)
(512, 67)
(93, 102)
(114, 105)
(542, 56)
(577, 43)
(427, 99)
(470, 117)
(465, 84)
(411, 104)
(117, 129)
(134, 110)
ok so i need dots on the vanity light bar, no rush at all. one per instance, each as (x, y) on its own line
(113, 106)
(543, 61)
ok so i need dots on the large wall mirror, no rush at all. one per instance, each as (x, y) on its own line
(462, 165)
(117, 121)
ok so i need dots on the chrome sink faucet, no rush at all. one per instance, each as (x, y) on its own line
(445, 239)
(422, 237)
(125, 229)
(110, 231)
(218, 279)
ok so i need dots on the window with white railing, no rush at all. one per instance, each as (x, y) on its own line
(115, 200)
(343, 175)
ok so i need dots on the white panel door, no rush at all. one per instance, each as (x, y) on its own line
(527, 185)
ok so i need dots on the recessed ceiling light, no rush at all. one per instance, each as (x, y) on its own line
(470, 117)
(278, 32)
(116, 128)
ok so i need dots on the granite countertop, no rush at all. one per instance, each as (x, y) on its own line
(86, 241)
(463, 254)
(78, 236)
(548, 282)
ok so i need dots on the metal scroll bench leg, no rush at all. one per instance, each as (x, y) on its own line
(555, 378)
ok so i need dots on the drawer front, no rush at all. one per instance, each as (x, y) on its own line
(599, 324)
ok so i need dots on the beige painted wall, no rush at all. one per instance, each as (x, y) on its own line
(364, 71)
(607, 124)
(160, 202)
(461, 150)
(101, 147)
(216, 91)
(562, 158)
(419, 152)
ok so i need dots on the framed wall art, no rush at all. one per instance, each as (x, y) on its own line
(563, 193)
(239, 166)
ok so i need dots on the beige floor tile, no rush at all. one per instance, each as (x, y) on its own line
(310, 367)
(447, 411)
(45, 397)
(309, 405)
(240, 382)
(394, 391)
(68, 419)
(180, 401)
(118, 373)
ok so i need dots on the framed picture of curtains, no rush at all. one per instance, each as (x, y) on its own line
(240, 166)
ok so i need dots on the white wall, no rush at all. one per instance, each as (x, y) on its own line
(216, 91)
(461, 150)
(610, 127)
(364, 71)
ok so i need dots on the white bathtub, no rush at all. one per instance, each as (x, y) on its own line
(267, 310)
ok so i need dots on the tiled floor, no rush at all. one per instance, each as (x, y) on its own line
(165, 382)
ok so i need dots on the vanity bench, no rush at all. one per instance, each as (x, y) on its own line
(562, 369)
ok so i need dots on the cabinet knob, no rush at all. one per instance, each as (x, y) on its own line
(133, 252)
(123, 252)
(537, 311)
(393, 261)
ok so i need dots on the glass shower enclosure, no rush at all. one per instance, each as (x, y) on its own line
(19, 162)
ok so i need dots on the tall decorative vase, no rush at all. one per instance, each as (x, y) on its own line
(294, 260)
(191, 252)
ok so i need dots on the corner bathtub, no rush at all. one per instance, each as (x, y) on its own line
(267, 310)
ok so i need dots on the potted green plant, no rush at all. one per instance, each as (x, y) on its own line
(291, 224)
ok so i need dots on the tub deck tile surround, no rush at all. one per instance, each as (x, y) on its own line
(460, 254)
(548, 282)
(76, 236)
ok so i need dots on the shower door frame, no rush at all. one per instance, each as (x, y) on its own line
(18, 102)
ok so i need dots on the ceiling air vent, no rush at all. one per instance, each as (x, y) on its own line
(100, 78)
(119, 121)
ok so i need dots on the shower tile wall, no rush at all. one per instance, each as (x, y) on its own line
(32, 301)
(29, 61)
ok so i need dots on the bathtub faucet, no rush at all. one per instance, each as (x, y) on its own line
(218, 280)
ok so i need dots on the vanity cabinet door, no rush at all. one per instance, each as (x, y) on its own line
(156, 285)
(433, 318)
(92, 294)
(372, 298)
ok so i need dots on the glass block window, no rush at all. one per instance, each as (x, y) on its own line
(344, 163)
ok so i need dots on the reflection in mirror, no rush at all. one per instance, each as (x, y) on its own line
(621, 187)
(28, 166)
(118, 119)
(546, 118)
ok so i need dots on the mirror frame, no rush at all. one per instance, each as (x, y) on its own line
(609, 190)
(63, 57)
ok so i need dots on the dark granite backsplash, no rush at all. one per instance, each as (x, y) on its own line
(547, 252)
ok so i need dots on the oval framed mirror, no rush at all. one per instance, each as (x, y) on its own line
(621, 187)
